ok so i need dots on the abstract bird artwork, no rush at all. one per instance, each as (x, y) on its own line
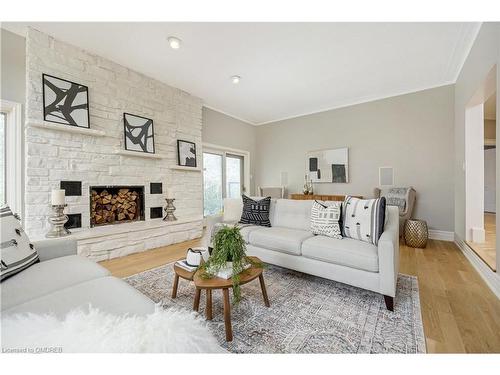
(65, 102)
(139, 133)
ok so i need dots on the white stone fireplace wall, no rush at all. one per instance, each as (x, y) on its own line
(53, 154)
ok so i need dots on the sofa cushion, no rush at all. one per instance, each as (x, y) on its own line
(245, 231)
(256, 211)
(363, 219)
(281, 239)
(325, 219)
(17, 253)
(290, 213)
(346, 252)
(108, 294)
(48, 276)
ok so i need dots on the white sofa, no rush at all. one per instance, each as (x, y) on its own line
(289, 243)
(64, 281)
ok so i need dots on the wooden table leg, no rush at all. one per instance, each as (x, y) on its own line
(264, 291)
(208, 309)
(196, 303)
(174, 288)
(227, 315)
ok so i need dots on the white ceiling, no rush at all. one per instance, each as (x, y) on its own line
(287, 69)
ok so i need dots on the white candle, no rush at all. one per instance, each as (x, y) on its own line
(168, 193)
(58, 197)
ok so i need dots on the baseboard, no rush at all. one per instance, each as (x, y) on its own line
(442, 235)
(491, 278)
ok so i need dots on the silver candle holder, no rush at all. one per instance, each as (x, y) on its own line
(57, 220)
(169, 210)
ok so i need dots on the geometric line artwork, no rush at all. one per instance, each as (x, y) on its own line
(139, 133)
(65, 102)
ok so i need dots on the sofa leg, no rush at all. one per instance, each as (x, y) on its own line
(389, 302)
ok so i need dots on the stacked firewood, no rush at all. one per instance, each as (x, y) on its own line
(108, 207)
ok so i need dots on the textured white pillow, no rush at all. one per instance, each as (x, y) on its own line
(232, 210)
(364, 219)
(325, 219)
(16, 251)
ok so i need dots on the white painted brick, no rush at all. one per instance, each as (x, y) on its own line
(42, 149)
(53, 156)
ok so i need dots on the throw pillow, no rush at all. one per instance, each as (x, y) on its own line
(363, 219)
(17, 253)
(256, 212)
(325, 219)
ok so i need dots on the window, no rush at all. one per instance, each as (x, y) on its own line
(234, 176)
(2, 158)
(224, 176)
(212, 184)
(10, 155)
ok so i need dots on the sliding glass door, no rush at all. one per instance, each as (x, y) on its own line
(223, 177)
(234, 176)
(212, 184)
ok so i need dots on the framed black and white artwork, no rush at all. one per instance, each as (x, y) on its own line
(328, 165)
(139, 133)
(65, 102)
(186, 153)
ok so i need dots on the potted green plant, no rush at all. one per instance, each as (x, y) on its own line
(228, 246)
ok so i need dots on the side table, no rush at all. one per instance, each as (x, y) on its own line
(416, 233)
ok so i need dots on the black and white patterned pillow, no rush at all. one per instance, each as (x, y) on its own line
(16, 251)
(325, 219)
(256, 212)
(363, 219)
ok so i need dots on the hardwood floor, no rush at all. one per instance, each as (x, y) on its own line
(460, 313)
(487, 250)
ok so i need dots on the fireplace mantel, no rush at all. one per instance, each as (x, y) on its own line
(116, 240)
(120, 228)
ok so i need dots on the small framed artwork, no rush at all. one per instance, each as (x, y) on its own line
(186, 153)
(139, 133)
(65, 102)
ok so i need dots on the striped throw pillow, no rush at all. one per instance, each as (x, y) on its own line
(16, 251)
(256, 212)
(325, 219)
(363, 219)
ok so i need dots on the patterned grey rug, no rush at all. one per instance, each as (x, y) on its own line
(308, 314)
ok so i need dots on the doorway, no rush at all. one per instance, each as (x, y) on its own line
(481, 158)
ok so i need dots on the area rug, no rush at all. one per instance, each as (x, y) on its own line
(308, 314)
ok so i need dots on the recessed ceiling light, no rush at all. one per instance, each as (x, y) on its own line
(235, 79)
(174, 42)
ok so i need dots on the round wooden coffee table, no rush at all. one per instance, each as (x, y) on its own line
(217, 283)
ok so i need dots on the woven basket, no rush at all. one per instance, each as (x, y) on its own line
(416, 233)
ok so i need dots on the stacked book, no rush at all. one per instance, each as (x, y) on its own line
(185, 266)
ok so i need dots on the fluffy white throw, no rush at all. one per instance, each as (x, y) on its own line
(94, 331)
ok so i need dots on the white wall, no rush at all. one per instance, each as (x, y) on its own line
(227, 131)
(474, 172)
(412, 133)
(13, 67)
(490, 172)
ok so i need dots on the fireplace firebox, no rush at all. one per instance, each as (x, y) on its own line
(116, 204)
